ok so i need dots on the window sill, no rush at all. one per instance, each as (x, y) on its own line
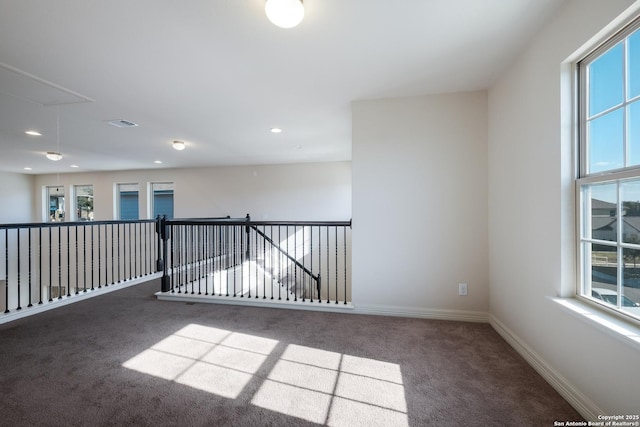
(610, 324)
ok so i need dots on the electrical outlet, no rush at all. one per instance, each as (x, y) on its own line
(462, 289)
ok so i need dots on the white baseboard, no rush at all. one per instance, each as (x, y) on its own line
(379, 310)
(579, 401)
(256, 302)
(65, 300)
(422, 313)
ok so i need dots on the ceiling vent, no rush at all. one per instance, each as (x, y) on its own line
(120, 123)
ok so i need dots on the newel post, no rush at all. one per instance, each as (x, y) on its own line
(161, 264)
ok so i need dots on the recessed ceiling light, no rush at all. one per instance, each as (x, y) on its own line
(276, 130)
(157, 162)
(28, 168)
(74, 166)
(33, 133)
(179, 145)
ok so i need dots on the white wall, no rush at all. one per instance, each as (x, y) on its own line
(16, 193)
(310, 191)
(420, 203)
(531, 223)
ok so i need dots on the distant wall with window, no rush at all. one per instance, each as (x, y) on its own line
(18, 199)
(309, 191)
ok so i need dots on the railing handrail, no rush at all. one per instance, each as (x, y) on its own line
(167, 227)
(285, 253)
(204, 219)
(73, 223)
(47, 260)
(250, 222)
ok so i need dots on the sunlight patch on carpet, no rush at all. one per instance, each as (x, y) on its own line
(293, 401)
(316, 385)
(334, 389)
(209, 359)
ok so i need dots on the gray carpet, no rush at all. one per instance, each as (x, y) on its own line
(126, 359)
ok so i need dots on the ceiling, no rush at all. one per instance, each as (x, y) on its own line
(218, 75)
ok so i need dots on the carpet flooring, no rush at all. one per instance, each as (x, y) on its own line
(124, 359)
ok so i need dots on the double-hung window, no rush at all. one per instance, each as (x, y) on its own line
(608, 181)
(83, 202)
(54, 203)
(162, 199)
(127, 201)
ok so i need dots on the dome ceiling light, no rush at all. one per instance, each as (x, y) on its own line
(284, 13)
(53, 155)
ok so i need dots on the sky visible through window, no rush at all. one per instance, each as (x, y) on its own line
(613, 93)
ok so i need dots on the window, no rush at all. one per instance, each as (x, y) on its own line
(55, 203)
(83, 202)
(609, 173)
(162, 201)
(128, 201)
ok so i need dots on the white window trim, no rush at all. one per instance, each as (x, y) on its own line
(607, 321)
(604, 315)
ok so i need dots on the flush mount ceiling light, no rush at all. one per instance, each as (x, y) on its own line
(179, 145)
(33, 133)
(284, 13)
(276, 130)
(52, 155)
